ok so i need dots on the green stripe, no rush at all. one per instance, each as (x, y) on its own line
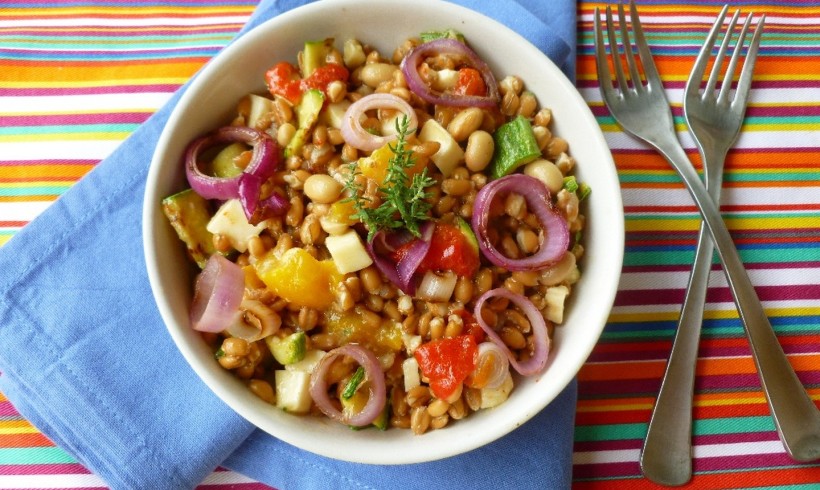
(72, 129)
(679, 257)
(719, 426)
(48, 190)
(34, 455)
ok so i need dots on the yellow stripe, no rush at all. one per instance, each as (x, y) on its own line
(19, 430)
(708, 314)
(30, 184)
(754, 223)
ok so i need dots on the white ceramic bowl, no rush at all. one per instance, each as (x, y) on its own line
(239, 70)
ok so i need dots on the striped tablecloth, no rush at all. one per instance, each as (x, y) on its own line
(77, 77)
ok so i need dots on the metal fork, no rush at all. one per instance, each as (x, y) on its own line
(714, 120)
(642, 109)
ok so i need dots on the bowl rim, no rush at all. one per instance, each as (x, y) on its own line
(246, 405)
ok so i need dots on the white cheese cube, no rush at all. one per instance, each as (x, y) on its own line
(230, 221)
(333, 115)
(348, 252)
(292, 391)
(410, 367)
(555, 298)
(449, 154)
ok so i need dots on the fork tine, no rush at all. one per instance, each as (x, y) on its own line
(745, 81)
(628, 54)
(726, 86)
(714, 76)
(604, 75)
(649, 70)
(699, 68)
(613, 48)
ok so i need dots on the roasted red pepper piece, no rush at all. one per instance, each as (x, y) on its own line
(283, 79)
(447, 362)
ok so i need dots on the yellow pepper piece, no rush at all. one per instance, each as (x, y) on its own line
(299, 278)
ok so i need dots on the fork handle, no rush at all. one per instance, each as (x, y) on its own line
(796, 417)
(666, 457)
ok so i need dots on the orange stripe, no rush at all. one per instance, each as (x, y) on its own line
(25, 440)
(678, 67)
(28, 198)
(43, 172)
(735, 160)
(757, 478)
(95, 72)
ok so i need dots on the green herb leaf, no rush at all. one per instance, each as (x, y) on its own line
(353, 384)
(404, 200)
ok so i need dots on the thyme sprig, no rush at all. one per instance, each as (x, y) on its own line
(404, 200)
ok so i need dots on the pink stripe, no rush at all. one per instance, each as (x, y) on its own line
(116, 89)
(47, 162)
(607, 470)
(747, 461)
(44, 469)
(8, 410)
(675, 296)
(75, 119)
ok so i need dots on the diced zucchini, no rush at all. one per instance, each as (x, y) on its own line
(230, 221)
(450, 33)
(293, 391)
(356, 402)
(188, 214)
(348, 252)
(224, 163)
(314, 55)
(289, 349)
(259, 107)
(307, 112)
(449, 154)
(468, 233)
(383, 419)
(515, 145)
(308, 362)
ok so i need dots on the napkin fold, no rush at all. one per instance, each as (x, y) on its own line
(85, 357)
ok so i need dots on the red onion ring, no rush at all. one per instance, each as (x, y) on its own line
(401, 273)
(358, 137)
(541, 340)
(373, 373)
(217, 295)
(264, 161)
(500, 368)
(556, 231)
(258, 210)
(411, 62)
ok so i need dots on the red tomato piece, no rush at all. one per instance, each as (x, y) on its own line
(447, 362)
(283, 80)
(322, 76)
(470, 82)
(449, 250)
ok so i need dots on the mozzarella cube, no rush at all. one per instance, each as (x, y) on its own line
(348, 252)
(230, 221)
(449, 154)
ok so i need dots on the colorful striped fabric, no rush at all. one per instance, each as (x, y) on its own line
(771, 201)
(78, 76)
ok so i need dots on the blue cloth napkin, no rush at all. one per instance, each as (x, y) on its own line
(85, 357)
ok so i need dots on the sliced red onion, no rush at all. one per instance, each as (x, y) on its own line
(500, 360)
(255, 321)
(264, 162)
(217, 295)
(256, 209)
(373, 373)
(554, 226)
(410, 69)
(540, 337)
(402, 273)
(437, 287)
(358, 137)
